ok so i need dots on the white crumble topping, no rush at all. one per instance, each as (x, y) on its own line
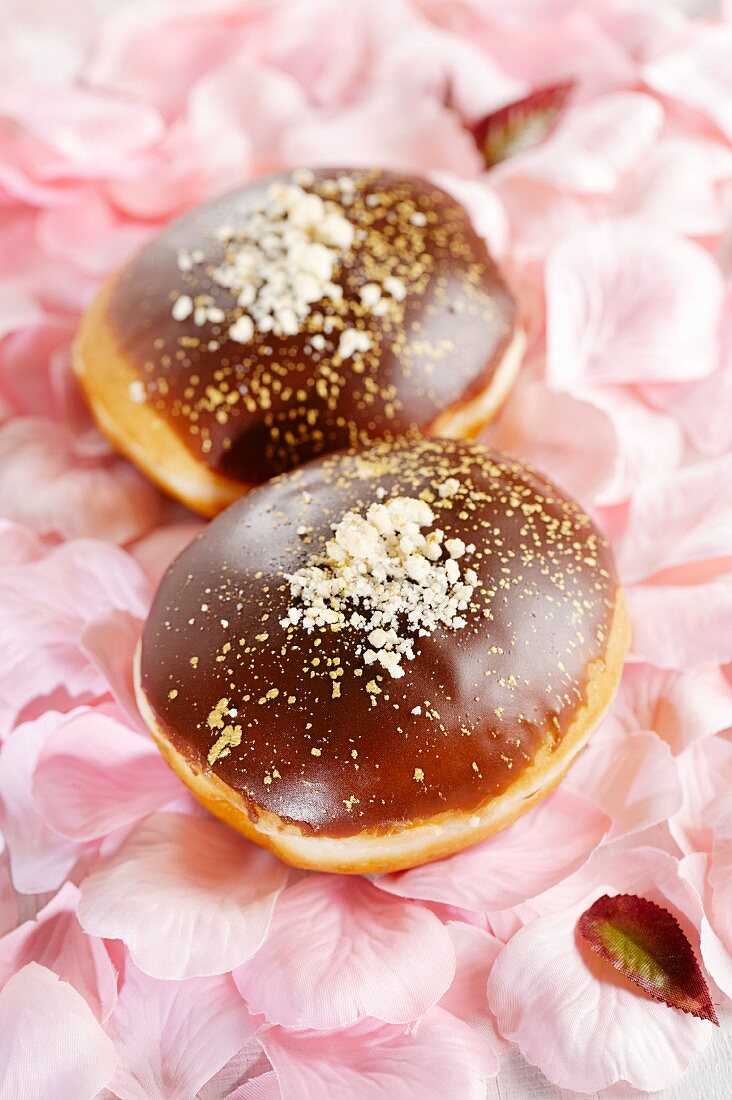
(281, 259)
(136, 392)
(353, 340)
(182, 306)
(387, 574)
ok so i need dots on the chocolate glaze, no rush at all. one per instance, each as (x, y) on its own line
(256, 410)
(490, 694)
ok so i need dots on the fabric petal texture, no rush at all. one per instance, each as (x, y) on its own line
(48, 1036)
(187, 896)
(360, 953)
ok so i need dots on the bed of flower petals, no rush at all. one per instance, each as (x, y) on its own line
(148, 952)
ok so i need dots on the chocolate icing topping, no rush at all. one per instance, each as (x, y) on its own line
(251, 410)
(474, 705)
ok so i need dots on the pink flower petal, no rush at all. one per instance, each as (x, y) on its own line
(95, 775)
(701, 408)
(677, 186)
(551, 430)
(39, 859)
(580, 1022)
(634, 780)
(706, 778)
(172, 1037)
(538, 850)
(90, 234)
(155, 552)
(627, 302)
(84, 127)
(18, 545)
(681, 707)
(698, 74)
(720, 884)
(44, 608)
(264, 1087)
(717, 959)
(679, 518)
(439, 1057)
(682, 626)
(649, 443)
(55, 940)
(45, 485)
(416, 134)
(359, 953)
(593, 145)
(186, 895)
(51, 1047)
(467, 998)
(109, 644)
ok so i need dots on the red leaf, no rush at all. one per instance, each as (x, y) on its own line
(520, 125)
(648, 946)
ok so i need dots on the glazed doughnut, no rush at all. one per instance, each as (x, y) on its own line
(296, 316)
(383, 656)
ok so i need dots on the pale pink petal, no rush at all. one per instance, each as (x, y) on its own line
(569, 439)
(51, 1047)
(573, 1016)
(634, 780)
(155, 552)
(249, 1063)
(538, 850)
(649, 443)
(540, 215)
(699, 74)
(264, 1087)
(682, 626)
(441, 1056)
(627, 302)
(90, 234)
(9, 909)
(677, 519)
(467, 997)
(359, 953)
(167, 180)
(27, 361)
(109, 644)
(95, 775)
(677, 185)
(389, 129)
(86, 128)
(594, 144)
(45, 485)
(41, 41)
(55, 940)
(186, 895)
(705, 770)
(720, 884)
(239, 112)
(702, 408)
(18, 545)
(717, 958)
(172, 1037)
(39, 859)
(156, 55)
(681, 707)
(45, 606)
(18, 308)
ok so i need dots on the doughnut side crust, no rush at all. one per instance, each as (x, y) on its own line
(422, 841)
(136, 428)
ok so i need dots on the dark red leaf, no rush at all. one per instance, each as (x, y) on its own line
(647, 944)
(520, 125)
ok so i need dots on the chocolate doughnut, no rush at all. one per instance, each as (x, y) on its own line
(384, 656)
(296, 316)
